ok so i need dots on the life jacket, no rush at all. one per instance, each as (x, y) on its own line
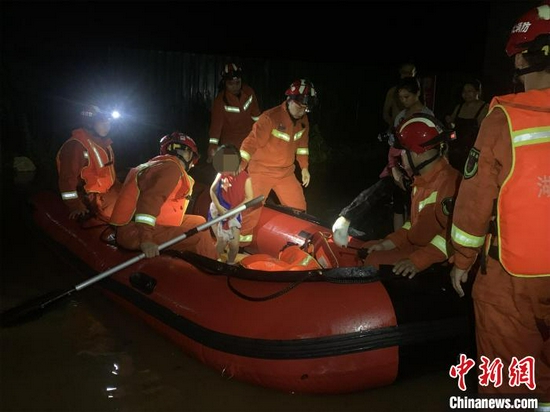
(99, 175)
(173, 209)
(523, 205)
(291, 257)
(315, 253)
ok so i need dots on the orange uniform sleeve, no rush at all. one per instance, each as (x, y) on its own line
(216, 124)
(155, 185)
(255, 110)
(474, 205)
(430, 222)
(71, 163)
(258, 136)
(420, 234)
(302, 152)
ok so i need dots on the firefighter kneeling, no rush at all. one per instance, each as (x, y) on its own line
(421, 241)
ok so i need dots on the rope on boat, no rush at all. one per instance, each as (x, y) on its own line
(268, 297)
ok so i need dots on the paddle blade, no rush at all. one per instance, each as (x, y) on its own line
(32, 309)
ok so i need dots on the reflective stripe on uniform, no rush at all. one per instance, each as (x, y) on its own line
(69, 195)
(543, 407)
(245, 155)
(232, 109)
(466, 239)
(305, 261)
(428, 201)
(247, 103)
(440, 243)
(523, 139)
(299, 134)
(245, 238)
(97, 155)
(280, 135)
(302, 151)
(214, 141)
(255, 118)
(406, 226)
(147, 219)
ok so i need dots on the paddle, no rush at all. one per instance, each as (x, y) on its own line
(34, 307)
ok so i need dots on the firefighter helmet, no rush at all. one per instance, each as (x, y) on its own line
(231, 71)
(303, 91)
(531, 32)
(170, 143)
(91, 114)
(422, 132)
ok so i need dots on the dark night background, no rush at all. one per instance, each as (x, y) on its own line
(159, 62)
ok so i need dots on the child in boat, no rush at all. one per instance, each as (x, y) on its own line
(231, 188)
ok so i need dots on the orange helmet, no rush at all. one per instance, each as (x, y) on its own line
(303, 91)
(531, 32)
(422, 132)
(170, 143)
(231, 71)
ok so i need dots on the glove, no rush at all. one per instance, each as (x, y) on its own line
(340, 231)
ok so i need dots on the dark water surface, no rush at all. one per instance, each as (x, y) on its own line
(90, 355)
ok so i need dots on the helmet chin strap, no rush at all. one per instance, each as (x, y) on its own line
(527, 70)
(186, 163)
(417, 168)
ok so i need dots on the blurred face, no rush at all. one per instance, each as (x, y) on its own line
(102, 127)
(296, 109)
(469, 93)
(226, 162)
(233, 86)
(407, 98)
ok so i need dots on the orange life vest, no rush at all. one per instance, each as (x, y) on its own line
(523, 208)
(290, 258)
(173, 209)
(100, 173)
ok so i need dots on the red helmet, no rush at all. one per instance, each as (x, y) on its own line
(531, 32)
(172, 142)
(422, 132)
(231, 71)
(302, 90)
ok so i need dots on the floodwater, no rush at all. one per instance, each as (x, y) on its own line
(90, 355)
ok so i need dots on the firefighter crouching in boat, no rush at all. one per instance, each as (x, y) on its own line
(86, 168)
(506, 193)
(153, 200)
(278, 139)
(422, 240)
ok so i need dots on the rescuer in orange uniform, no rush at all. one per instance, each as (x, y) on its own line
(277, 140)
(503, 211)
(234, 111)
(424, 239)
(86, 168)
(151, 207)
